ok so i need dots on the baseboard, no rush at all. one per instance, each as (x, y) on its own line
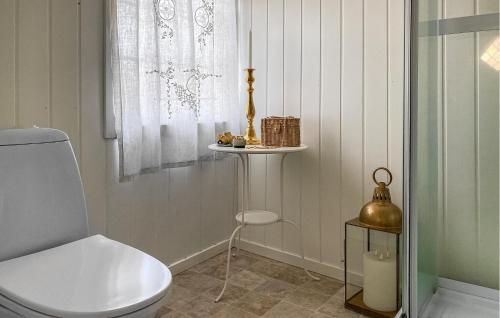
(469, 289)
(185, 263)
(293, 259)
(269, 252)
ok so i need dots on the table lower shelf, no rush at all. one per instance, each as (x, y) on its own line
(258, 217)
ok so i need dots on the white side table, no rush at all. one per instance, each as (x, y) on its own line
(258, 217)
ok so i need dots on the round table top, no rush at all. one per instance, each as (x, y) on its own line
(251, 149)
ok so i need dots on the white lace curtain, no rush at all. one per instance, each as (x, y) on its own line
(174, 74)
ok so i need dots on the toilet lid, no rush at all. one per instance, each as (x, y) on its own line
(92, 277)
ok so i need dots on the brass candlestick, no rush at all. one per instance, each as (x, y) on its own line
(250, 135)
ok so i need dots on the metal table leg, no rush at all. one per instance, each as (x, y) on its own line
(237, 230)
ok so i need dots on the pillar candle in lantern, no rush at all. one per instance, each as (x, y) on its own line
(379, 282)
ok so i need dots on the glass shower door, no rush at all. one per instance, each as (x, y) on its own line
(424, 152)
(454, 146)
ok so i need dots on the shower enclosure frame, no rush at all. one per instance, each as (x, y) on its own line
(406, 282)
(466, 24)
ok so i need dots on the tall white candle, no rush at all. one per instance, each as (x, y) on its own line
(250, 49)
(379, 281)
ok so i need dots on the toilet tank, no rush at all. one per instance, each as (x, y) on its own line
(42, 203)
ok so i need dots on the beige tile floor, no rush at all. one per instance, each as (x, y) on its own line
(258, 287)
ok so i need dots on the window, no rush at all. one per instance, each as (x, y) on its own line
(172, 75)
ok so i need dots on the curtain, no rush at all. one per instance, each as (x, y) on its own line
(174, 79)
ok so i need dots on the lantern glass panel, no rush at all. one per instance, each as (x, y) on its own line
(356, 244)
(372, 270)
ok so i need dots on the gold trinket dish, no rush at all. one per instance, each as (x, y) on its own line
(225, 139)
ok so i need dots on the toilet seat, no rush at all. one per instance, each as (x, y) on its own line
(89, 278)
(15, 310)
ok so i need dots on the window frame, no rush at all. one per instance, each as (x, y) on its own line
(109, 115)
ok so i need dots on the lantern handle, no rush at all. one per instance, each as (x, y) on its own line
(386, 170)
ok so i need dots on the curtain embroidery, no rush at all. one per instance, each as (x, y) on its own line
(204, 17)
(188, 93)
(165, 12)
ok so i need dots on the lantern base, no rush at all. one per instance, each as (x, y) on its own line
(356, 304)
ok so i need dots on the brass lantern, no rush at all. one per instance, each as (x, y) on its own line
(381, 213)
(372, 256)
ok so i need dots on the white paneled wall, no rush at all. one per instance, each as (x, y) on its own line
(336, 64)
(51, 75)
(469, 151)
(47, 81)
(174, 213)
(339, 65)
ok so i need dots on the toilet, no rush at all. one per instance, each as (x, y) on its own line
(49, 265)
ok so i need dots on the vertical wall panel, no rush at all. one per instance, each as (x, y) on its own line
(375, 101)
(92, 147)
(330, 190)
(208, 191)
(64, 64)
(310, 117)
(216, 201)
(164, 227)
(274, 108)
(245, 25)
(395, 79)
(225, 209)
(120, 196)
(375, 113)
(144, 209)
(8, 63)
(258, 165)
(352, 108)
(184, 211)
(292, 92)
(33, 63)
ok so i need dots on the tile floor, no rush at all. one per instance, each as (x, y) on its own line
(259, 287)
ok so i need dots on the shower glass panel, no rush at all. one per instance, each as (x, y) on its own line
(454, 184)
(468, 165)
(424, 154)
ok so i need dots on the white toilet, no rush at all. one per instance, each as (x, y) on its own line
(49, 266)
